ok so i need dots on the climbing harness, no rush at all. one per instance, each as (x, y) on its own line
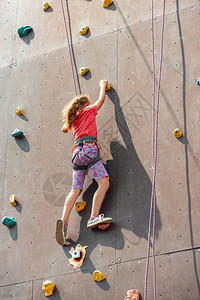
(70, 54)
(152, 217)
(88, 140)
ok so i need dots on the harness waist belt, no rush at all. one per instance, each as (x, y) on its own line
(93, 160)
(86, 139)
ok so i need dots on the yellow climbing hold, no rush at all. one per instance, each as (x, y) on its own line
(83, 71)
(177, 133)
(107, 87)
(80, 205)
(18, 111)
(107, 3)
(84, 30)
(12, 200)
(45, 5)
(48, 287)
(98, 276)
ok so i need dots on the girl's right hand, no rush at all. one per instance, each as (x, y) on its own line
(103, 83)
(64, 128)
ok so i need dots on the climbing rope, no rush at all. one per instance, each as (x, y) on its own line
(152, 217)
(70, 54)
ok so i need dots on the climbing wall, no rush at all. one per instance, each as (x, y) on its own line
(35, 74)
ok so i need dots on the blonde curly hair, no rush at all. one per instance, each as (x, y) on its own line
(73, 108)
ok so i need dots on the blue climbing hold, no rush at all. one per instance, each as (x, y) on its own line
(198, 81)
(24, 30)
(16, 132)
(9, 222)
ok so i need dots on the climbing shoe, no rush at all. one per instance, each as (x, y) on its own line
(61, 232)
(98, 220)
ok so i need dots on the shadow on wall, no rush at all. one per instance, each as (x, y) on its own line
(185, 142)
(14, 232)
(148, 66)
(23, 117)
(127, 200)
(111, 7)
(56, 295)
(49, 10)
(23, 143)
(72, 49)
(133, 185)
(27, 39)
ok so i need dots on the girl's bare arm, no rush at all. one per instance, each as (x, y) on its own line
(101, 99)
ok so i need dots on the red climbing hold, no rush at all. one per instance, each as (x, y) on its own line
(103, 226)
(132, 295)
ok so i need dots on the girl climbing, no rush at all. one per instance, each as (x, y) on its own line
(80, 116)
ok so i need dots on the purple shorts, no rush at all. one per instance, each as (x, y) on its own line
(79, 158)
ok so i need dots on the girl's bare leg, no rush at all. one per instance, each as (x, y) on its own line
(103, 185)
(69, 203)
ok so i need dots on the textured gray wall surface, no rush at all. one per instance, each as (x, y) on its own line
(35, 74)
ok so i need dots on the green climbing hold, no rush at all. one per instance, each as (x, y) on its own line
(24, 30)
(9, 222)
(16, 132)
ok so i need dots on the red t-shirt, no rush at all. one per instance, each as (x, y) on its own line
(85, 123)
